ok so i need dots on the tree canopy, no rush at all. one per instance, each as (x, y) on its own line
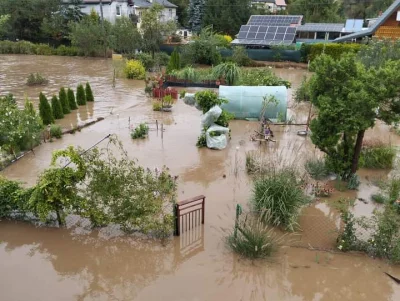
(316, 10)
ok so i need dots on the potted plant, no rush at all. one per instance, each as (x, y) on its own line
(167, 103)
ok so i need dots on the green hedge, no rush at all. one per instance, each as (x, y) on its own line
(24, 47)
(310, 52)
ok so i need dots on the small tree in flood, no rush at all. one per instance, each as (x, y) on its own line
(80, 95)
(89, 93)
(64, 101)
(45, 110)
(349, 99)
(71, 99)
(57, 108)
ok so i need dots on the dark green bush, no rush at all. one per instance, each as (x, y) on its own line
(23, 47)
(146, 59)
(378, 198)
(161, 59)
(45, 110)
(379, 156)
(80, 95)
(316, 168)
(174, 61)
(71, 99)
(67, 51)
(140, 131)
(208, 99)
(36, 80)
(261, 77)
(13, 198)
(55, 131)
(240, 56)
(57, 108)
(89, 93)
(44, 49)
(201, 141)
(334, 50)
(64, 101)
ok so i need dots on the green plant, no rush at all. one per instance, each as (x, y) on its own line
(134, 70)
(36, 80)
(64, 101)
(71, 99)
(353, 182)
(228, 71)
(140, 131)
(208, 99)
(174, 61)
(225, 118)
(45, 110)
(57, 108)
(316, 168)
(167, 101)
(80, 95)
(157, 106)
(261, 77)
(148, 90)
(334, 50)
(379, 156)
(146, 59)
(347, 240)
(161, 59)
(55, 131)
(378, 198)
(13, 198)
(89, 93)
(281, 194)
(182, 93)
(253, 238)
(240, 56)
(188, 74)
(202, 140)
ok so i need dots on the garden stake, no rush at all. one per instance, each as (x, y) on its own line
(238, 212)
(162, 131)
(157, 125)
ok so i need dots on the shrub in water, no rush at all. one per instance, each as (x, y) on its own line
(316, 168)
(71, 99)
(207, 99)
(64, 101)
(281, 194)
(253, 238)
(378, 198)
(157, 106)
(146, 60)
(140, 131)
(134, 70)
(80, 95)
(57, 108)
(36, 80)
(45, 110)
(89, 93)
(202, 141)
(55, 131)
(377, 156)
(13, 198)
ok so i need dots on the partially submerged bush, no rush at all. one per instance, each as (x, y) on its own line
(261, 77)
(71, 99)
(157, 106)
(228, 71)
(13, 198)
(201, 140)
(64, 101)
(55, 131)
(377, 156)
(208, 99)
(281, 194)
(316, 168)
(36, 80)
(80, 95)
(45, 110)
(134, 70)
(140, 131)
(89, 93)
(57, 108)
(253, 238)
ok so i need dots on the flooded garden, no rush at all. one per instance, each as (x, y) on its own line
(79, 263)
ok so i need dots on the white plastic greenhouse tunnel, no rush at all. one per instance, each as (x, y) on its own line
(246, 102)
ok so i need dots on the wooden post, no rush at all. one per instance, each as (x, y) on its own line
(203, 210)
(162, 130)
(157, 125)
(129, 122)
(177, 220)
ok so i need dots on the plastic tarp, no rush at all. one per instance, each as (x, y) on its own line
(189, 99)
(217, 142)
(211, 116)
(247, 101)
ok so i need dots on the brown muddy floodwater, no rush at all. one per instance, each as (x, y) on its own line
(77, 264)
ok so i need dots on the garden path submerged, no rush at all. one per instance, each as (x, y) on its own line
(71, 264)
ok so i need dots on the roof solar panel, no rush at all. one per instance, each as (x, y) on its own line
(353, 25)
(265, 35)
(274, 20)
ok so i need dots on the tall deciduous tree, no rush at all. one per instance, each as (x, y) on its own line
(181, 11)
(125, 38)
(155, 31)
(226, 16)
(316, 10)
(361, 9)
(195, 14)
(350, 99)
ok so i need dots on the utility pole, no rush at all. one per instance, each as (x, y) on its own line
(102, 27)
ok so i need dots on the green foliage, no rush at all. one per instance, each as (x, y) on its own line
(261, 77)
(240, 56)
(353, 182)
(63, 50)
(317, 11)
(195, 14)
(377, 52)
(189, 74)
(157, 106)
(161, 59)
(45, 110)
(378, 198)
(253, 238)
(182, 93)
(71, 99)
(57, 108)
(174, 61)
(23, 47)
(146, 60)
(134, 70)
(64, 101)
(224, 118)
(80, 95)
(208, 99)
(379, 156)
(89, 93)
(55, 131)
(316, 168)
(13, 198)
(36, 80)
(334, 50)
(125, 37)
(140, 131)
(280, 193)
(347, 240)
(56, 189)
(303, 92)
(202, 140)
(228, 71)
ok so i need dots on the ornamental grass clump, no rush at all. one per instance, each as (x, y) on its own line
(316, 168)
(253, 238)
(377, 155)
(228, 71)
(280, 192)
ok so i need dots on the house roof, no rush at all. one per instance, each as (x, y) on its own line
(277, 2)
(321, 27)
(144, 3)
(371, 30)
(280, 2)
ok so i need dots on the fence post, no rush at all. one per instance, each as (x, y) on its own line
(177, 220)
(203, 210)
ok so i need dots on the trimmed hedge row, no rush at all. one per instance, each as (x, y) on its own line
(24, 47)
(310, 52)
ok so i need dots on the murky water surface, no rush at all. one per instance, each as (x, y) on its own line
(63, 264)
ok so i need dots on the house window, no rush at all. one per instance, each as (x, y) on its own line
(118, 10)
(170, 13)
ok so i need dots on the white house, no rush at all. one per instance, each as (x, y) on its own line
(271, 5)
(113, 9)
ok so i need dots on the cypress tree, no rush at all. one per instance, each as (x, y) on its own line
(71, 99)
(45, 110)
(64, 101)
(89, 93)
(57, 108)
(80, 95)
(174, 61)
(196, 13)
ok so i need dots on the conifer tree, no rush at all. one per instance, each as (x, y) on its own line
(57, 108)
(45, 110)
(89, 93)
(64, 101)
(71, 99)
(80, 95)
(196, 13)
